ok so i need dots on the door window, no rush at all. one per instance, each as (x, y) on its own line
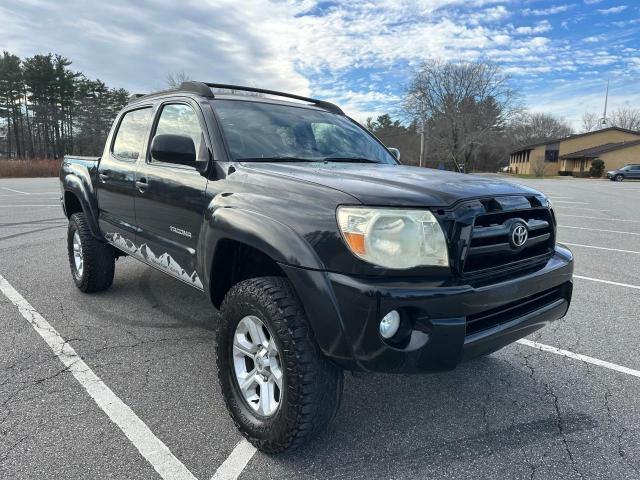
(179, 119)
(131, 134)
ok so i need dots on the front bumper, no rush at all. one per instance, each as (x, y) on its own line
(447, 324)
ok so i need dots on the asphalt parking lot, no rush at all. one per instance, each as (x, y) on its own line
(522, 412)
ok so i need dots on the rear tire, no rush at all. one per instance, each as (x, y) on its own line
(92, 262)
(311, 385)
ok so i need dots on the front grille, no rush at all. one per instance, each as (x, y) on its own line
(505, 313)
(491, 247)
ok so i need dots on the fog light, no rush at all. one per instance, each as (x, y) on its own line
(390, 324)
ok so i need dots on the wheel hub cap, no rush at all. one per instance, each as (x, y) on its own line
(257, 368)
(77, 253)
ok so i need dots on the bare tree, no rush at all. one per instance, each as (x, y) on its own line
(175, 79)
(528, 128)
(464, 108)
(538, 167)
(626, 117)
(590, 122)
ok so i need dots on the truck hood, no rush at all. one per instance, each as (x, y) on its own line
(393, 185)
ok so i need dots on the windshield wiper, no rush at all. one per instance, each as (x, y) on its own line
(274, 159)
(349, 159)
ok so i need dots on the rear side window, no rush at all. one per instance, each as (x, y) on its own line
(180, 119)
(131, 134)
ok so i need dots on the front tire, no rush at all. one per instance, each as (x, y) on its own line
(265, 343)
(92, 262)
(619, 178)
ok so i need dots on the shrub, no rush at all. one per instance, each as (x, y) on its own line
(37, 167)
(597, 168)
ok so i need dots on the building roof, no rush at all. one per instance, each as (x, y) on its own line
(571, 137)
(595, 152)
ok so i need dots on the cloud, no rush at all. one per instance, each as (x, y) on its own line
(541, 27)
(608, 11)
(594, 38)
(541, 12)
(626, 23)
(493, 14)
(136, 45)
(360, 54)
(592, 2)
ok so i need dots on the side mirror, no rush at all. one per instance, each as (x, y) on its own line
(395, 152)
(178, 149)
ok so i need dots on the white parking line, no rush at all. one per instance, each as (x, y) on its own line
(599, 218)
(589, 209)
(578, 356)
(599, 230)
(31, 205)
(600, 248)
(233, 466)
(32, 193)
(15, 191)
(149, 446)
(577, 203)
(608, 282)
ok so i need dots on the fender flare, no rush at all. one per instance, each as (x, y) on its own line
(299, 262)
(76, 183)
(275, 239)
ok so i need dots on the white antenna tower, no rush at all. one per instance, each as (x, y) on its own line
(604, 120)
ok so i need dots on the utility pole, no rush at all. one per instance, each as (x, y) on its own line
(603, 120)
(421, 142)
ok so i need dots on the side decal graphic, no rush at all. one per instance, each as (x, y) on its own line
(164, 262)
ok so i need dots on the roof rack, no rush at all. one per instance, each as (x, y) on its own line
(204, 89)
(193, 87)
(320, 103)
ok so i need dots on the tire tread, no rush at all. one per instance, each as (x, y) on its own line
(98, 257)
(317, 383)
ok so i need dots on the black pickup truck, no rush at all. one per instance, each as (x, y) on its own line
(322, 252)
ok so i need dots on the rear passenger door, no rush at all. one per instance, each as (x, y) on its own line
(170, 198)
(634, 172)
(116, 177)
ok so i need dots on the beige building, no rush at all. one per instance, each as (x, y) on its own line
(574, 154)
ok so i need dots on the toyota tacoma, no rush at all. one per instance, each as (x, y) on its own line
(320, 250)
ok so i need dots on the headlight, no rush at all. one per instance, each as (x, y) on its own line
(393, 238)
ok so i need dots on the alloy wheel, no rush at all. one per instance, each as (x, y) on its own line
(78, 262)
(257, 367)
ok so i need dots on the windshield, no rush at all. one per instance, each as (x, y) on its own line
(266, 132)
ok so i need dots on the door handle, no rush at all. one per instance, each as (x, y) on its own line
(142, 184)
(103, 177)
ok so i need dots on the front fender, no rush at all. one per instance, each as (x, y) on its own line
(273, 238)
(298, 260)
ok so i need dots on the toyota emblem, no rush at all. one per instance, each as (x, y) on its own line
(519, 235)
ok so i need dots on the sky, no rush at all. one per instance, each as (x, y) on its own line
(358, 53)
